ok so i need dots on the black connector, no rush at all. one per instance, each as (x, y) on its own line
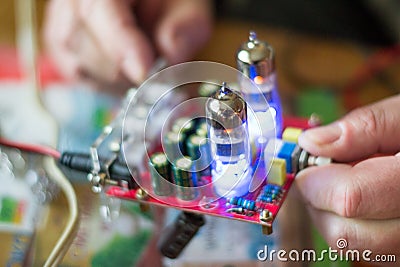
(179, 234)
(82, 162)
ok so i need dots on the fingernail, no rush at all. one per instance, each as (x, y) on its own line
(398, 154)
(323, 135)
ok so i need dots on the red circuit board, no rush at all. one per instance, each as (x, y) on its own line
(208, 202)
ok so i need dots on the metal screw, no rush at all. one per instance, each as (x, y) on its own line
(266, 216)
(141, 194)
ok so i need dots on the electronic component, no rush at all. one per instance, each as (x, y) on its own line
(173, 145)
(270, 193)
(226, 113)
(199, 151)
(242, 202)
(296, 158)
(286, 153)
(277, 172)
(185, 179)
(160, 172)
(202, 129)
(291, 134)
(178, 235)
(256, 60)
(185, 126)
(117, 170)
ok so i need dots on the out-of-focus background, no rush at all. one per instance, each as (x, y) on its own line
(331, 56)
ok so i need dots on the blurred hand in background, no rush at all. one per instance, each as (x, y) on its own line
(116, 41)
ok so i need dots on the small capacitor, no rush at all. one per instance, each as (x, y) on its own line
(202, 129)
(175, 238)
(173, 144)
(185, 178)
(256, 60)
(199, 151)
(226, 113)
(184, 126)
(161, 177)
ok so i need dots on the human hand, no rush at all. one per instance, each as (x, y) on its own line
(359, 203)
(117, 40)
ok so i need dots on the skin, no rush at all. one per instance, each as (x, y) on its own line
(117, 41)
(359, 202)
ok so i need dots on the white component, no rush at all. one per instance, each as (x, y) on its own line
(231, 179)
(320, 161)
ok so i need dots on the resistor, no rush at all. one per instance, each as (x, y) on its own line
(242, 202)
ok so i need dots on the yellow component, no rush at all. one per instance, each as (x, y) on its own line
(291, 134)
(277, 173)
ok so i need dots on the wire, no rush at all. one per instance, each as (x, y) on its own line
(39, 149)
(68, 234)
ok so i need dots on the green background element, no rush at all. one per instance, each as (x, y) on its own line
(8, 209)
(321, 101)
(122, 251)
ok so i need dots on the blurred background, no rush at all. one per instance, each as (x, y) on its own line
(331, 55)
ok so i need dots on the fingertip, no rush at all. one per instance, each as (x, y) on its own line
(136, 69)
(323, 135)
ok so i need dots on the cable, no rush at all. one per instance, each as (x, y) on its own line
(39, 149)
(66, 237)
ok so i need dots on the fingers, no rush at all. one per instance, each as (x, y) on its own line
(366, 190)
(378, 236)
(361, 133)
(113, 25)
(185, 27)
(58, 29)
(109, 40)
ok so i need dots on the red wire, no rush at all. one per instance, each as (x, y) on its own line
(44, 150)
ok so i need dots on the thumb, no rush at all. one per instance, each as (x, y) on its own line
(363, 132)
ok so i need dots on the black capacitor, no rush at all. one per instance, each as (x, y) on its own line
(185, 178)
(176, 236)
(161, 176)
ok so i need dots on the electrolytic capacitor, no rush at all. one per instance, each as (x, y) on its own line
(161, 176)
(185, 178)
(256, 60)
(199, 151)
(226, 113)
(173, 144)
(184, 126)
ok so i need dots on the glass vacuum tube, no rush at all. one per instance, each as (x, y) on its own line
(226, 113)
